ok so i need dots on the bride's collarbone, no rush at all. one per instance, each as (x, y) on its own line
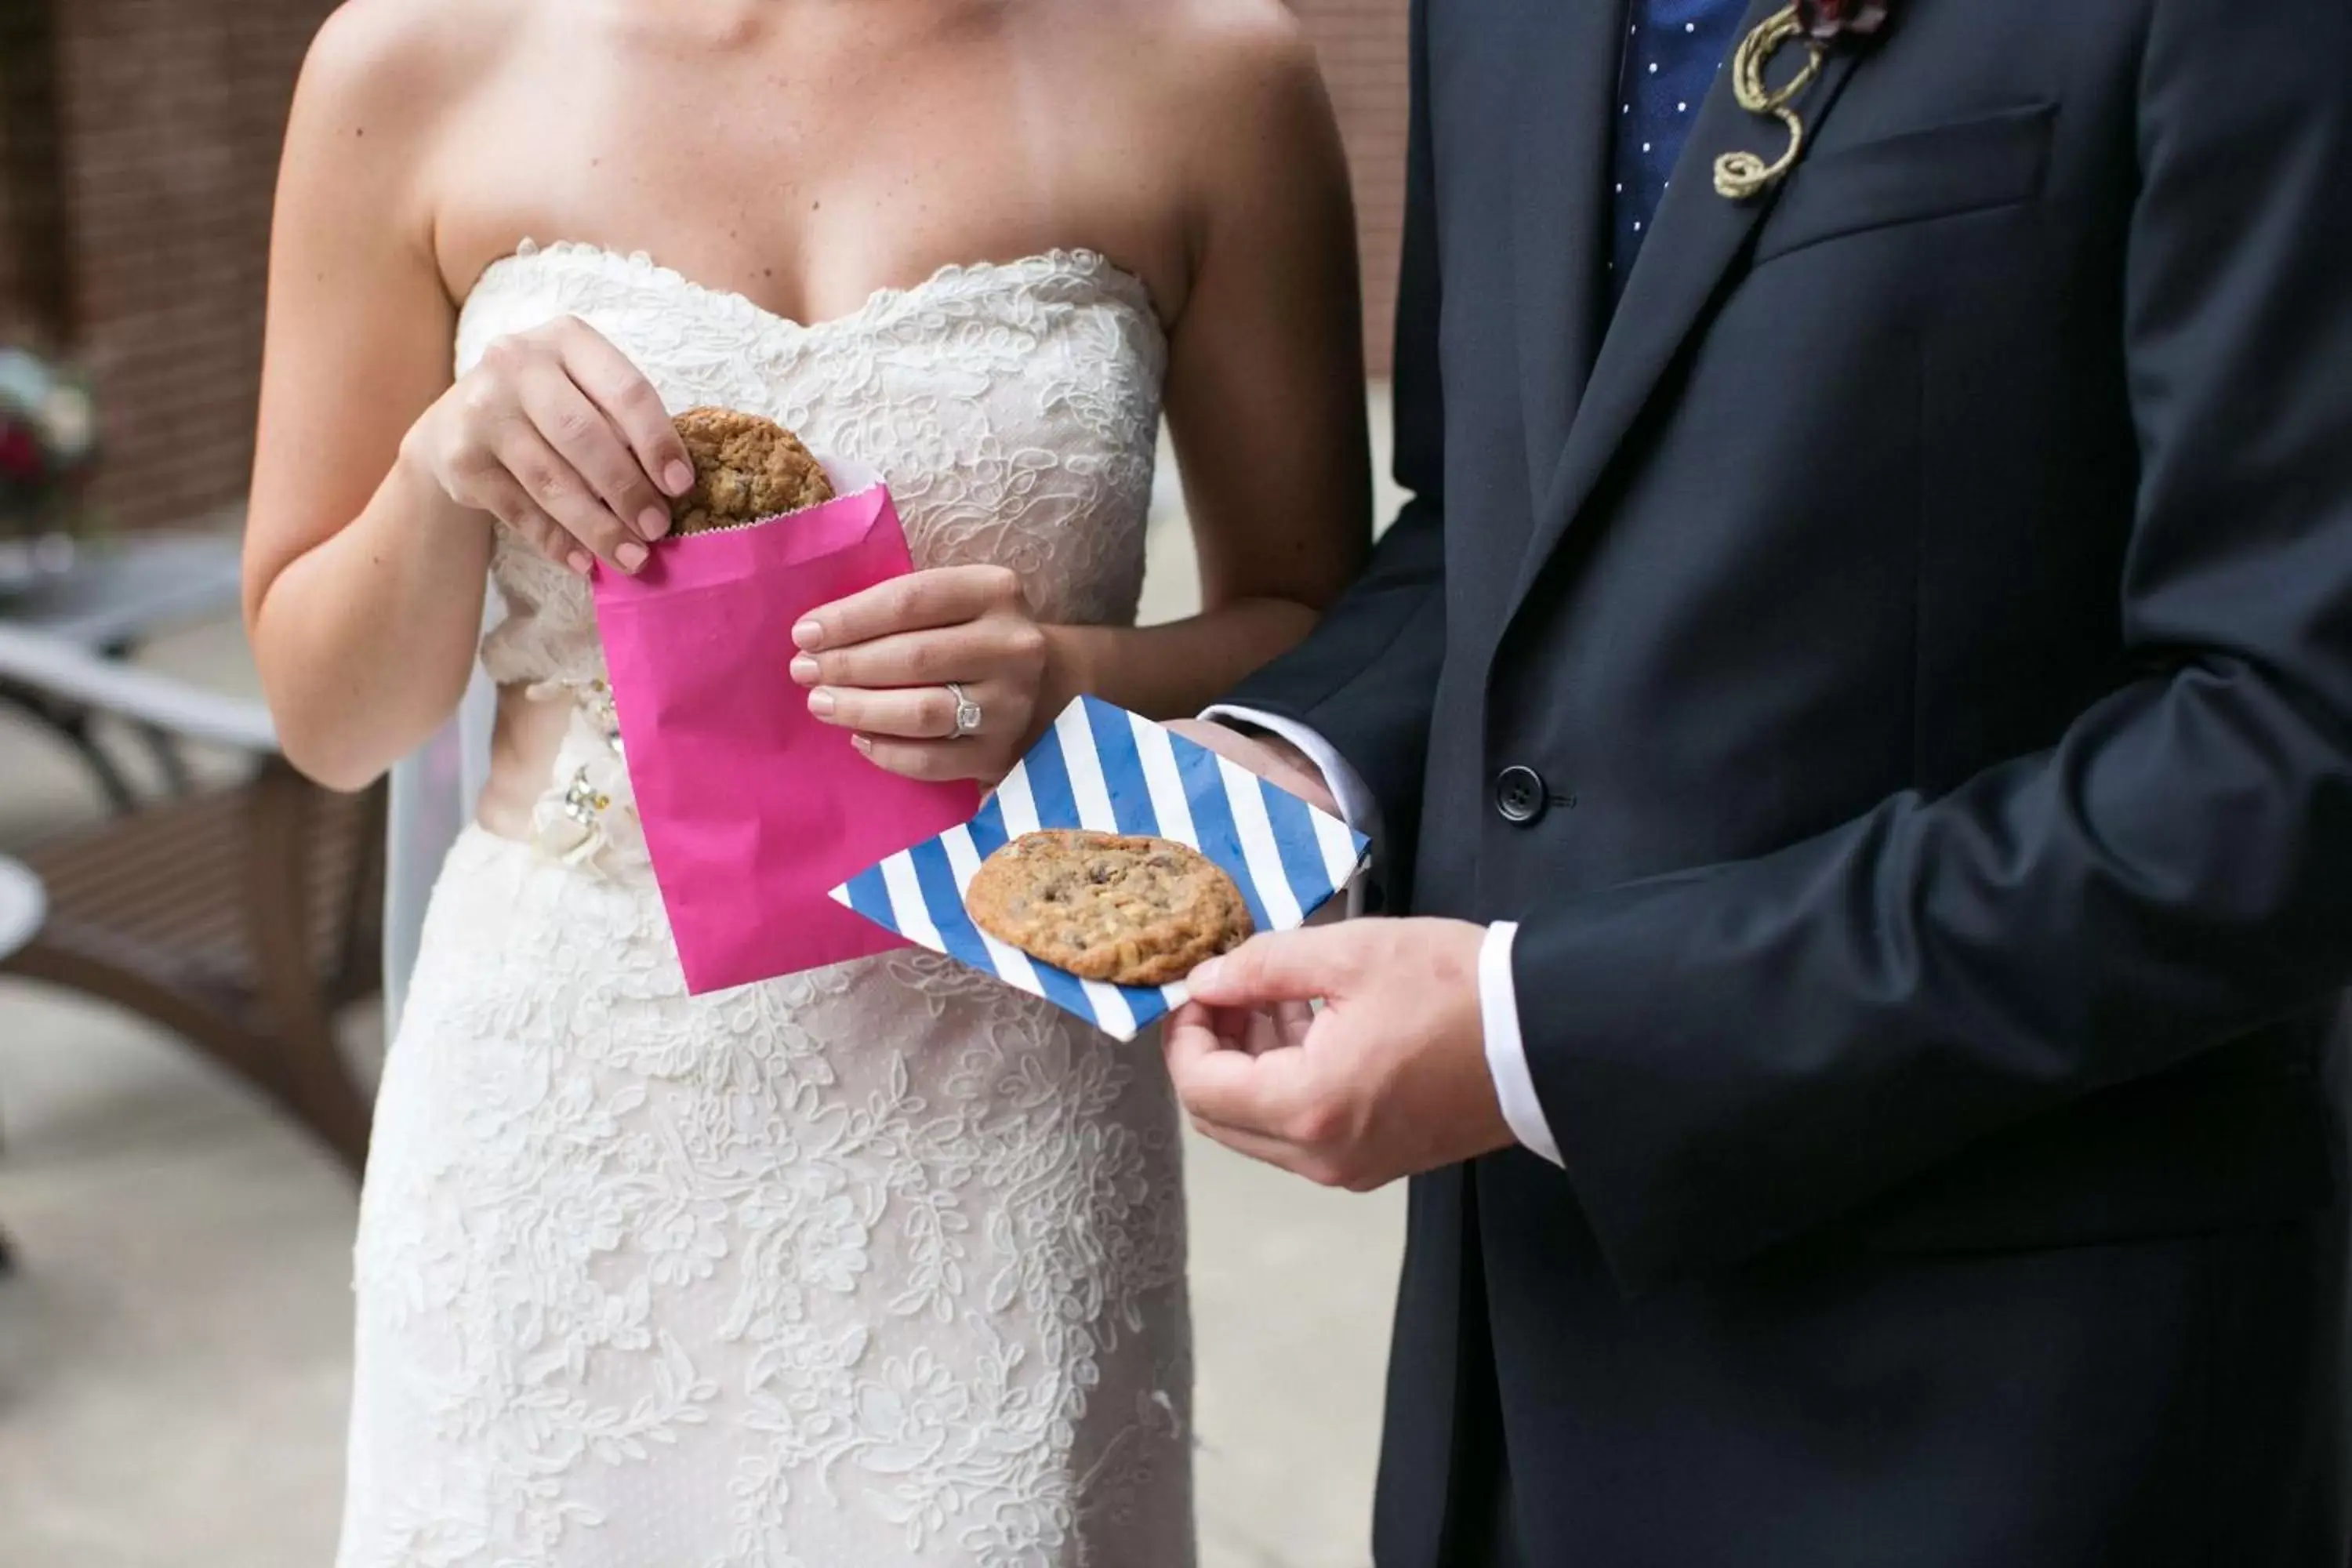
(822, 247)
(787, 188)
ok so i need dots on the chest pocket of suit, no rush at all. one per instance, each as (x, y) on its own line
(1970, 165)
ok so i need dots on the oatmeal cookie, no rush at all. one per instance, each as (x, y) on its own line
(1129, 910)
(745, 468)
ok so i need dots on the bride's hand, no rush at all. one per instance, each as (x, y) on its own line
(879, 663)
(560, 436)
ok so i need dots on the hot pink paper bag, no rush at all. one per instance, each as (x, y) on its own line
(753, 811)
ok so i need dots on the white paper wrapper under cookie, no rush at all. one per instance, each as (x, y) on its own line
(1103, 768)
(849, 479)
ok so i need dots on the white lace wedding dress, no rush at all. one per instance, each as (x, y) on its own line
(878, 1265)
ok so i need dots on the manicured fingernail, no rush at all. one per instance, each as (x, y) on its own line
(582, 563)
(652, 522)
(630, 557)
(805, 670)
(809, 635)
(677, 479)
(821, 703)
(864, 745)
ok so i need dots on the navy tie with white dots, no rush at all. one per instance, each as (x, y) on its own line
(1673, 51)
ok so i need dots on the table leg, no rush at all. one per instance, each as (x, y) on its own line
(161, 745)
(74, 726)
(169, 762)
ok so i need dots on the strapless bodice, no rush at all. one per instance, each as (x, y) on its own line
(1012, 407)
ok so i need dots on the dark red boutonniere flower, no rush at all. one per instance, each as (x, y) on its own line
(1830, 20)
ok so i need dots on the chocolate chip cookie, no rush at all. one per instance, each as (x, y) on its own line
(1128, 910)
(745, 468)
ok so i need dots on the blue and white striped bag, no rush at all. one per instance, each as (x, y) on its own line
(1103, 768)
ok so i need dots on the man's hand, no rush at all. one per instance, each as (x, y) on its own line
(1388, 1080)
(1270, 757)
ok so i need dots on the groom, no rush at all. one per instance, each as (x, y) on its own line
(1859, 711)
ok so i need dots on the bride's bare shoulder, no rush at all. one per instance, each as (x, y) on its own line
(1247, 96)
(1230, 49)
(400, 63)
(1219, 78)
(383, 89)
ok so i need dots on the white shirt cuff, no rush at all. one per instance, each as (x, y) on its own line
(1506, 1051)
(1346, 786)
(1356, 806)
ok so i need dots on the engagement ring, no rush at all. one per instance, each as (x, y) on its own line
(967, 713)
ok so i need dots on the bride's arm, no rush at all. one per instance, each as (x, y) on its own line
(375, 479)
(363, 599)
(1265, 389)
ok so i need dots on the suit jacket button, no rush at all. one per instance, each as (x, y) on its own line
(1520, 795)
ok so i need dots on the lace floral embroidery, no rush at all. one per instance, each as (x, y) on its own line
(881, 1264)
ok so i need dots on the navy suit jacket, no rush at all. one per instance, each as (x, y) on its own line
(1898, 672)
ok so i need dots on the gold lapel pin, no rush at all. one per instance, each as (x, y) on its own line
(1742, 174)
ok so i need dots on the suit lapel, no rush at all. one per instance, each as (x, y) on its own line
(1564, 92)
(1695, 239)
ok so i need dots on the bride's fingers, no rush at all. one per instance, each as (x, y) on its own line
(934, 761)
(557, 489)
(930, 657)
(582, 437)
(620, 391)
(917, 714)
(919, 601)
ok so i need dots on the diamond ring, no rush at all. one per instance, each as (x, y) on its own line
(967, 713)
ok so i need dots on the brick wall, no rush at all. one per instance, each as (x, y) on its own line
(32, 275)
(1362, 45)
(171, 113)
(152, 208)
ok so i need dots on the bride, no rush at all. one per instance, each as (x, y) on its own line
(882, 1264)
